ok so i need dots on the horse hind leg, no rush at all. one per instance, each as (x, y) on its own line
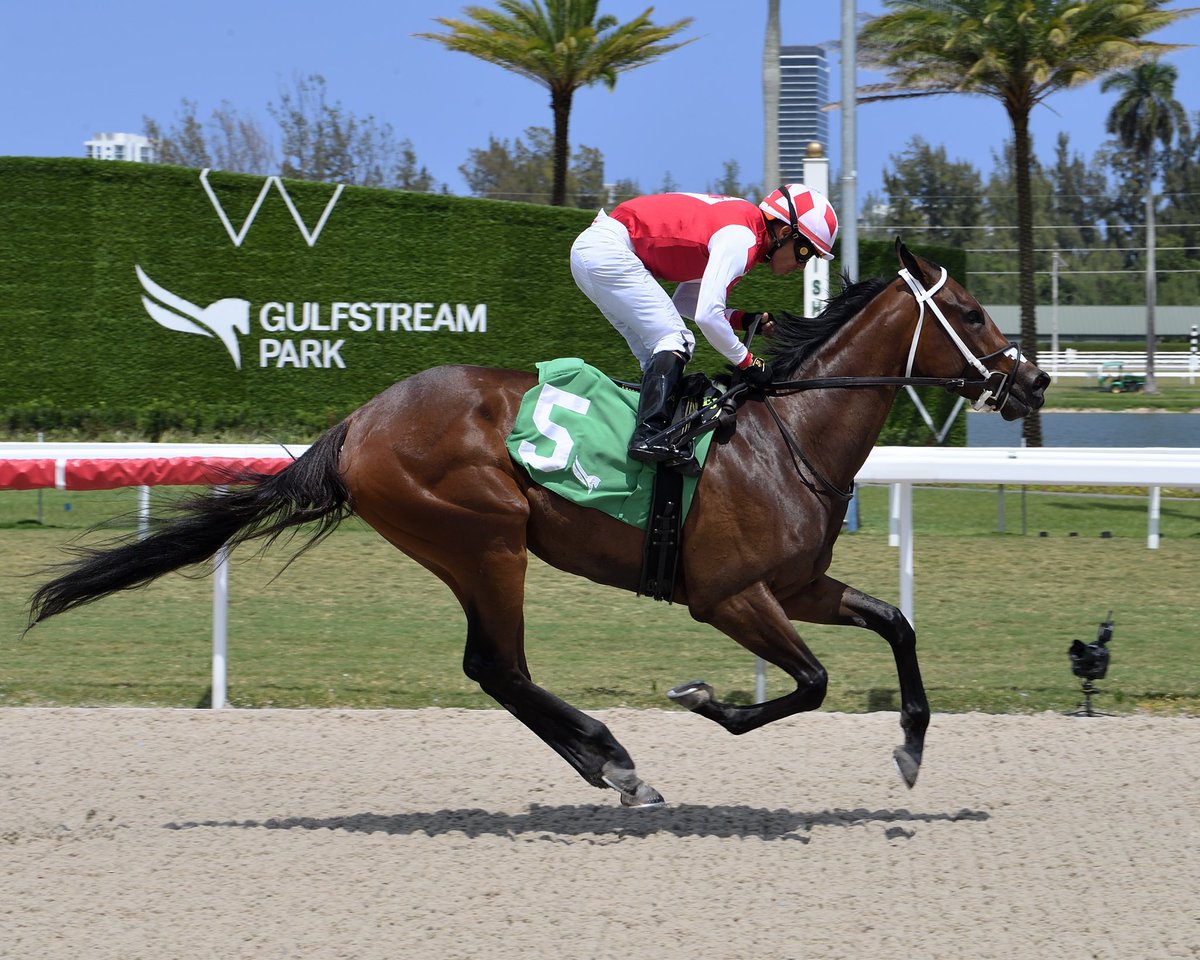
(583, 741)
(492, 597)
(475, 542)
(755, 619)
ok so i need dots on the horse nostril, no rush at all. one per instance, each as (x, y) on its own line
(1041, 382)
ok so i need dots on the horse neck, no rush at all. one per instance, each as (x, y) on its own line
(841, 425)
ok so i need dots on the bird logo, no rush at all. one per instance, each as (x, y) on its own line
(223, 319)
(589, 480)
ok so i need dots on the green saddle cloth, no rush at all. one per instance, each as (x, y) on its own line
(572, 433)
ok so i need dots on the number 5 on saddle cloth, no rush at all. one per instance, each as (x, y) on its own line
(571, 434)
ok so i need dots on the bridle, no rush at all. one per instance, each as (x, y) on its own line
(998, 383)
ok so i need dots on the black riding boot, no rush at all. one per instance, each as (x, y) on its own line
(654, 407)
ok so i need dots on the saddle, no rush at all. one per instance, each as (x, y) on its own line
(571, 436)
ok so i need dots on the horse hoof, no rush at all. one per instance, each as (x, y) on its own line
(907, 764)
(645, 798)
(691, 695)
(634, 793)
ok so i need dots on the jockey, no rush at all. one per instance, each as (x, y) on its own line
(706, 244)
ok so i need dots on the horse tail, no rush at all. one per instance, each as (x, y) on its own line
(255, 506)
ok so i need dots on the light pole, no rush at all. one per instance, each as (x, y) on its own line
(849, 178)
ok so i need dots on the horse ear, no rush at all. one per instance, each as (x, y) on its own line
(908, 261)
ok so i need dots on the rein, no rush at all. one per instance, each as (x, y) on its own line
(818, 383)
(783, 387)
(797, 453)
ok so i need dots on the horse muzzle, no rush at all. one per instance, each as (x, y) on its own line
(1014, 387)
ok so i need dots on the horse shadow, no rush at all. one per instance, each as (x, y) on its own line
(541, 822)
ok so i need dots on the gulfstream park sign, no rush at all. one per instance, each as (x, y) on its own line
(229, 319)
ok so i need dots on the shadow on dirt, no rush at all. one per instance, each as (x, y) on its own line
(563, 822)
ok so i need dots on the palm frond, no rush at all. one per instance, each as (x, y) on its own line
(561, 45)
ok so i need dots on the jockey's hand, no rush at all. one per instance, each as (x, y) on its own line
(757, 373)
(766, 326)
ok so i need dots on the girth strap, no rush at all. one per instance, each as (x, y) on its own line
(660, 556)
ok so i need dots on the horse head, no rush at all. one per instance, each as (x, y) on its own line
(955, 337)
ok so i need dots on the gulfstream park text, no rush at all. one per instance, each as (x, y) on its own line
(354, 317)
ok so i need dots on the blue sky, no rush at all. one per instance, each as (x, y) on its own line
(70, 69)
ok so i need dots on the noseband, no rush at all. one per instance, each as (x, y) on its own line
(997, 383)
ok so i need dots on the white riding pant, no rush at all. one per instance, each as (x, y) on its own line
(608, 271)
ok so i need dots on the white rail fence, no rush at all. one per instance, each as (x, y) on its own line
(1090, 364)
(30, 465)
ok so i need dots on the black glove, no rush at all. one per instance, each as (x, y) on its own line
(764, 328)
(757, 374)
(748, 320)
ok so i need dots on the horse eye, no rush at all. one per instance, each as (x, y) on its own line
(974, 318)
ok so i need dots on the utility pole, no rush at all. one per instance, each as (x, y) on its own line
(849, 178)
(1055, 260)
(1151, 284)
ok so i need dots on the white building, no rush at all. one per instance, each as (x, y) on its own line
(119, 146)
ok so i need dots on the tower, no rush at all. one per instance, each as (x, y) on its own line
(804, 89)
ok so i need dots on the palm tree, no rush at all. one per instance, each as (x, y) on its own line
(563, 45)
(1145, 112)
(771, 85)
(1017, 52)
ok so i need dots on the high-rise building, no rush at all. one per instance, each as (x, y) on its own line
(119, 146)
(803, 90)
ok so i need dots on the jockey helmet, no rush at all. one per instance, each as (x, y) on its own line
(808, 213)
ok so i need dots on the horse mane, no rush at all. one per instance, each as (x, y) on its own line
(795, 338)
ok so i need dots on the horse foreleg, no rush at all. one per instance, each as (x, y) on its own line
(830, 601)
(755, 619)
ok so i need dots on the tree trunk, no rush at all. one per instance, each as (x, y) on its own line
(1031, 429)
(771, 100)
(560, 104)
(1151, 276)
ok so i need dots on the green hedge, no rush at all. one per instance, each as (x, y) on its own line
(83, 356)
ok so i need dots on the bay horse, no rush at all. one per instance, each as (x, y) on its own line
(425, 464)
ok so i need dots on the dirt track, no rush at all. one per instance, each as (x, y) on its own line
(456, 834)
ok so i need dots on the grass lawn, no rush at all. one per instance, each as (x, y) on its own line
(1175, 395)
(355, 624)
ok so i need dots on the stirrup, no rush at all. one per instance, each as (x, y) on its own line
(646, 452)
(685, 461)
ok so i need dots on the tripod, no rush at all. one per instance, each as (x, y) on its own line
(1084, 708)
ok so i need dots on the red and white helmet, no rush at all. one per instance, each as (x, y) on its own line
(808, 212)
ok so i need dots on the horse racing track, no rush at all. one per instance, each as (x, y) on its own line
(456, 834)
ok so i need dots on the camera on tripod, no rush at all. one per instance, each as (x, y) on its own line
(1089, 661)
